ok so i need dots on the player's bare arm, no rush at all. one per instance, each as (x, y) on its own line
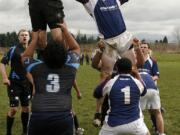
(69, 40)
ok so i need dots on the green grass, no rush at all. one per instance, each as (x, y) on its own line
(87, 78)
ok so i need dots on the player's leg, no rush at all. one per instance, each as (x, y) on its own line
(25, 96)
(10, 119)
(78, 130)
(130, 54)
(42, 40)
(38, 22)
(54, 14)
(159, 120)
(156, 105)
(98, 119)
(107, 65)
(25, 118)
(57, 35)
(14, 103)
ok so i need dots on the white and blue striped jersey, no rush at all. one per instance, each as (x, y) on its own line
(107, 15)
(150, 66)
(124, 93)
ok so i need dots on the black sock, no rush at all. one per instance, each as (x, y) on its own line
(153, 119)
(24, 120)
(76, 123)
(10, 121)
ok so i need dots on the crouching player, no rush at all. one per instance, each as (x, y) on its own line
(124, 91)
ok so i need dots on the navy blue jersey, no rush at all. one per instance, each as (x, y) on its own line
(108, 16)
(53, 86)
(147, 79)
(124, 93)
(150, 66)
(13, 56)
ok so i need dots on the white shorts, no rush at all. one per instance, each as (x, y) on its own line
(151, 100)
(137, 127)
(116, 46)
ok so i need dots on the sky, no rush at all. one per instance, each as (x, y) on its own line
(151, 19)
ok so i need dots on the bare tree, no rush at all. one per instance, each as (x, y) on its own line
(176, 34)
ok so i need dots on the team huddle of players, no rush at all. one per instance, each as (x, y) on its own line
(128, 74)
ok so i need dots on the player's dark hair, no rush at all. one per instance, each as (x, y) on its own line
(124, 65)
(144, 42)
(54, 55)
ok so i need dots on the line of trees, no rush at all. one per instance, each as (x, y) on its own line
(10, 39)
(162, 41)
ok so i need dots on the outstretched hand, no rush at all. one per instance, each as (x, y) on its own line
(101, 45)
(136, 42)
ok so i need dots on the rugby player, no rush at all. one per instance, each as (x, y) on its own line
(53, 79)
(18, 87)
(112, 29)
(124, 91)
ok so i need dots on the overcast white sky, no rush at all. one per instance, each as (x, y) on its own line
(151, 18)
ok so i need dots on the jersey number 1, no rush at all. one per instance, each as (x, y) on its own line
(126, 92)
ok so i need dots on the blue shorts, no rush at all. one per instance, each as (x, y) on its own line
(51, 123)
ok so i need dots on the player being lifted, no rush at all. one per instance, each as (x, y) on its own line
(43, 13)
(112, 29)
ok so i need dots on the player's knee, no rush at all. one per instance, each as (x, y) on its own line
(25, 109)
(13, 111)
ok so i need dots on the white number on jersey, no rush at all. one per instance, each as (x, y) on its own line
(54, 85)
(126, 92)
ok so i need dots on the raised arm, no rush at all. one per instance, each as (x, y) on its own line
(139, 54)
(69, 39)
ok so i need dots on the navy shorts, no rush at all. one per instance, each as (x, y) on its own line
(19, 91)
(46, 12)
(51, 123)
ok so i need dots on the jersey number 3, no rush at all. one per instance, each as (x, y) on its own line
(126, 92)
(54, 85)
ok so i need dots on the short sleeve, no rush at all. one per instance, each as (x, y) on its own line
(73, 60)
(8, 56)
(30, 63)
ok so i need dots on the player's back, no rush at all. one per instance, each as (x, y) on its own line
(53, 88)
(124, 96)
